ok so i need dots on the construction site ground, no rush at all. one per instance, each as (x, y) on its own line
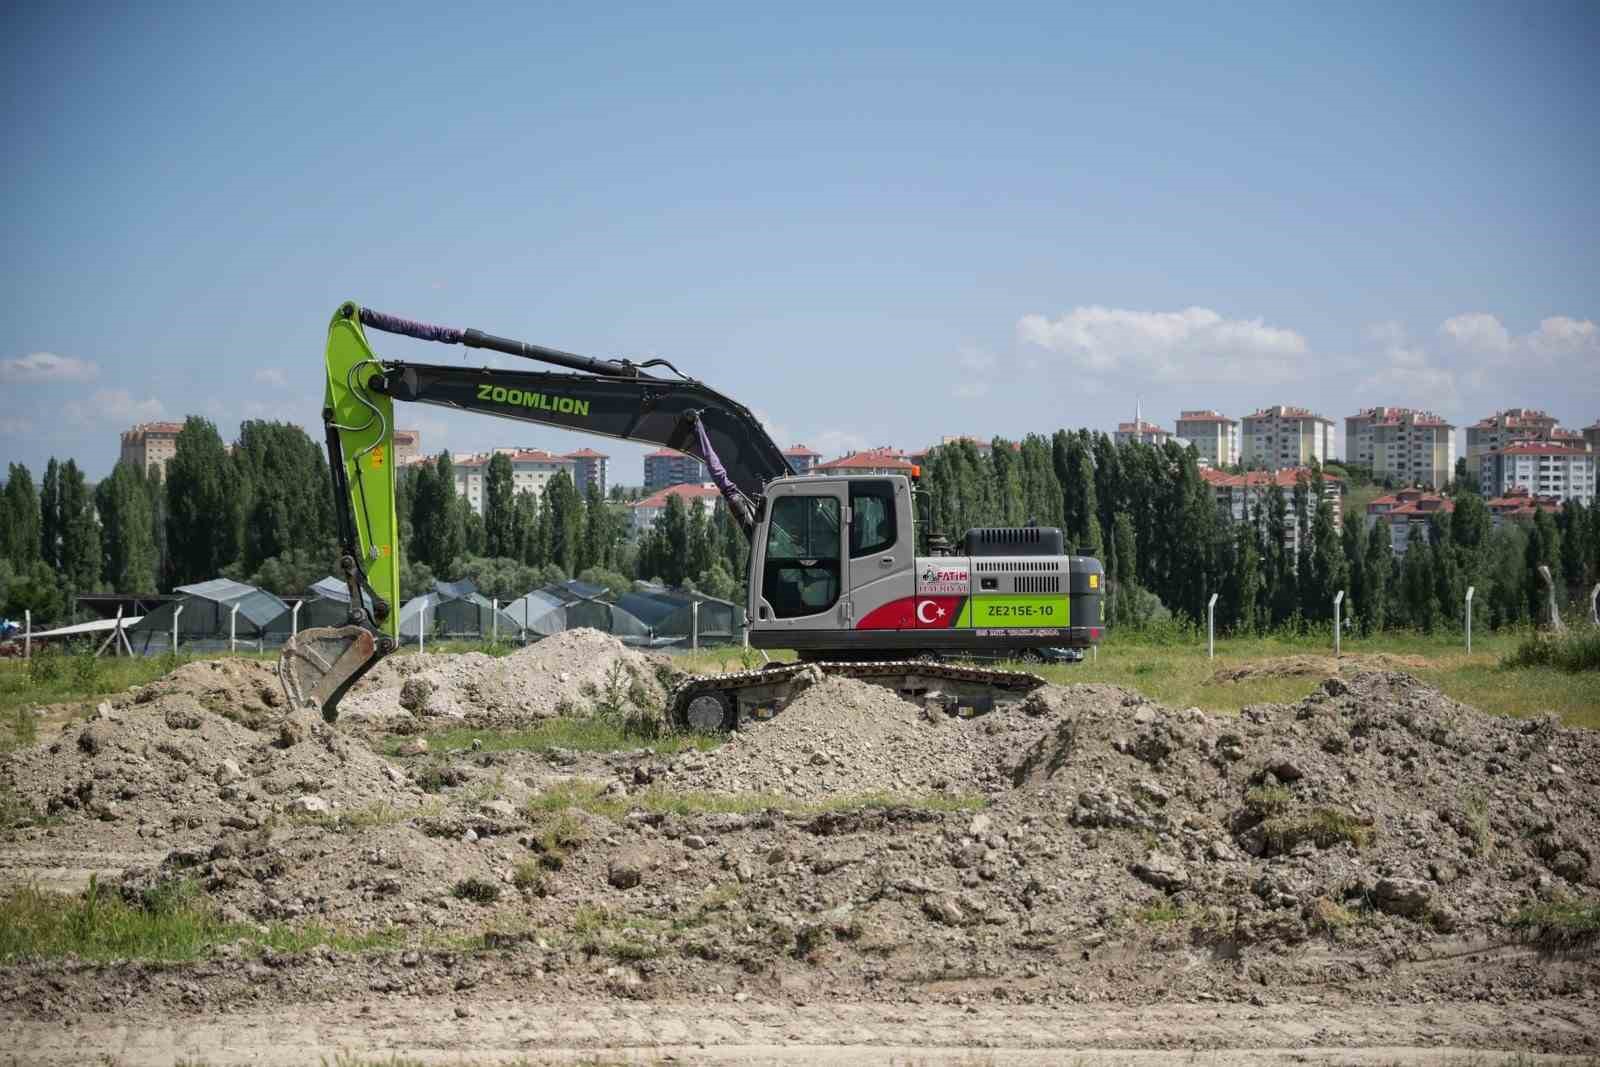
(507, 858)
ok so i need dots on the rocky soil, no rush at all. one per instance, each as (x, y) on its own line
(1370, 843)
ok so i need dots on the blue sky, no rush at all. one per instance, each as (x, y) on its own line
(872, 227)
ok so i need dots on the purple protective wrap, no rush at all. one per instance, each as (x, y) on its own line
(719, 474)
(422, 331)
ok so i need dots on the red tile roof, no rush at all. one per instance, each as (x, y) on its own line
(1538, 448)
(156, 427)
(1287, 411)
(585, 453)
(1252, 479)
(800, 450)
(1203, 416)
(1141, 427)
(666, 453)
(687, 493)
(875, 459)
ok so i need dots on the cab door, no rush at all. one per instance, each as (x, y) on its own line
(882, 548)
(802, 562)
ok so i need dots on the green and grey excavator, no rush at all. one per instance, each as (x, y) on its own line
(834, 569)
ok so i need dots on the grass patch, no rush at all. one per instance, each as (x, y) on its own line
(476, 890)
(1575, 650)
(587, 796)
(577, 734)
(356, 820)
(597, 931)
(1268, 800)
(1324, 827)
(173, 922)
(1563, 924)
(1160, 913)
(54, 677)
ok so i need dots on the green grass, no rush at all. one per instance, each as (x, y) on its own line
(586, 796)
(1175, 671)
(174, 922)
(580, 734)
(1578, 649)
(1560, 924)
(1325, 827)
(1265, 800)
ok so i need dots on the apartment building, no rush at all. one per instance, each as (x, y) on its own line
(1407, 445)
(1508, 426)
(407, 447)
(150, 444)
(588, 468)
(1214, 436)
(1284, 436)
(1405, 509)
(872, 461)
(531, 471)
(1591, 436)
(642, 514)
(1543, 468)
(664, 468)
(1239, 495)
(1141, 431)
(1519, 505)
(802, 459)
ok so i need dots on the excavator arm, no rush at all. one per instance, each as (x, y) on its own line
(610, 398)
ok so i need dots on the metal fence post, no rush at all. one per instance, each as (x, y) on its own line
(175, 614)
(27, 633)
(694, 625)
(1594, 604)
(1470, 590)
(1338, 625)
(1211, 627)
(422, 623)
(494, 621)
(294, 618)
(233, 629)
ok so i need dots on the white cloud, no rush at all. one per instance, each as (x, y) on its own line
(1408, 375)
(116, 406)
(272, 376)
(1477, 331)
(47, 367)
(1556, 338)
(1192, 345)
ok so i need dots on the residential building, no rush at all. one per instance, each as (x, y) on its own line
(802, 459)
(150, 444)
(1519, 505)
(1542, 468)
(1244, 494)
(1570, 438)
(873, 461)
(1403, 444)
(642, 514)
(1591, 436)
(1139, 430)
(1214, 436)
(1504, 427)
(531, 470)
(1284, 436)
(407, 447)
(1405, 509)
(588, 468)
(664, 468)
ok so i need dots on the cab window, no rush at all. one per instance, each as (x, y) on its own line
(801, 573)
(872, 526)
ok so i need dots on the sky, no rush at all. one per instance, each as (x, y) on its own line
(870, 226)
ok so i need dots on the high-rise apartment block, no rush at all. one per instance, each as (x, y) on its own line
(150, 444)
(1409, 446)
(1543, 468)
(1591, 436)
(1283, 436)
(1245, 495)
(588, 468)
(802, 459)
(1214, 436)
(664, 468)
(1508, 426)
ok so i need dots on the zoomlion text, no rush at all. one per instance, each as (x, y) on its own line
(565, 405)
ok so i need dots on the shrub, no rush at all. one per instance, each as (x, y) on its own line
(476, 890)
(1575, 650)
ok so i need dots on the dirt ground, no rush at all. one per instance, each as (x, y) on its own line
(1084, 874)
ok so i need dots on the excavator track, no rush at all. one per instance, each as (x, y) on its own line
(710, 702)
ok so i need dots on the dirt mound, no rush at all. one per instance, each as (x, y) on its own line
(244, 690)
(576, 670)
(1319, 666)
(167, 770)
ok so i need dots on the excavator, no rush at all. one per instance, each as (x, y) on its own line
(834, 575)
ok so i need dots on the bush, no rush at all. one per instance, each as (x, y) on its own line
(476, 890)
(44, 667)
(1574, 651)
(86, 672)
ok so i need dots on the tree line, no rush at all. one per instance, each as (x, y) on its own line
(1166, 546)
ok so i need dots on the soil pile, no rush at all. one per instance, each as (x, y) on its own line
(567, 673)
(1319, 666)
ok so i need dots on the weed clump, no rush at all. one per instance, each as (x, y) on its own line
(1572, 651)
(476, 890)
(1560, 924)
(1323, 827)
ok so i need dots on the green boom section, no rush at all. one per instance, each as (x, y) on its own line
(366, 441)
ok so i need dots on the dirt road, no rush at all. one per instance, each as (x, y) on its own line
(758, 1032)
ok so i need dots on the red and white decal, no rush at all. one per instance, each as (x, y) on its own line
(914, 613)
(934, 580)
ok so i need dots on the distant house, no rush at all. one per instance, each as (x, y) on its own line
(1405, 509)
(1240, 494)
(642, 514)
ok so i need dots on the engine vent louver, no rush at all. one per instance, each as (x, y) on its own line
(1036, 583)
(1014, 541)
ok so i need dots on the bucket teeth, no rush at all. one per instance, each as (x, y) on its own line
(317, 666)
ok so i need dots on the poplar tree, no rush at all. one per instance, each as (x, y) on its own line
(81, 564)
(499, 507)
(50, 515)
(1377, 563)
(19, 537)
(129, 547)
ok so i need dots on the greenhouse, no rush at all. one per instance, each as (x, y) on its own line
(676, 617)
(211, 617)
(455, 610)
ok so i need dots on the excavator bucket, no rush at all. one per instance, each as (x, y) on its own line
(318, 665)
